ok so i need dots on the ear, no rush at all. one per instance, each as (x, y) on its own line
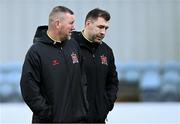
(57, 23)
(88, 22)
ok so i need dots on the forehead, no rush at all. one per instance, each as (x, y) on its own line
(101, 21)
(69, 16)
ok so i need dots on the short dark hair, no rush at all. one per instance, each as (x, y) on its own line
(95, 13)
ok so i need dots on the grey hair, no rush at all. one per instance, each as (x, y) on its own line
(58, 13)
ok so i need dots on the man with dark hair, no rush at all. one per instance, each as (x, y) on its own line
(98, 59)
(95, 13)
(51, 81)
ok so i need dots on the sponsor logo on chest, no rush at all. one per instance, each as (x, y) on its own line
(55, 62)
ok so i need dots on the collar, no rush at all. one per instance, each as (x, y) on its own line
(86, 37)
(82, 32)
(55, 41)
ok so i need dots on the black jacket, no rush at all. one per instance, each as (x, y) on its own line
(102, 78)
(51, 82)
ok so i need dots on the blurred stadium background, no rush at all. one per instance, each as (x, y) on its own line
(144, 35)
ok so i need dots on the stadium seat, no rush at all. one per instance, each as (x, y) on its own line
(149, 86)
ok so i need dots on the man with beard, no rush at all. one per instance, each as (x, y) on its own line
(98, 59)
(51, 81)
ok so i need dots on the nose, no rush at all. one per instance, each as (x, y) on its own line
(103, 31)
(73, 27)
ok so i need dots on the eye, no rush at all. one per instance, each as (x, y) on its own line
(103, 27)
(71, 22)
(106, 28)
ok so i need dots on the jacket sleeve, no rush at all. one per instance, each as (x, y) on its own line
(30, 86)
(112, 83)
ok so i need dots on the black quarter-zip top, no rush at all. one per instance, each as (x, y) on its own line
(51, 81)
(98, 60)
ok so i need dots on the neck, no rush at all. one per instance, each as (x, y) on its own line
(86, 36)
(52, 36)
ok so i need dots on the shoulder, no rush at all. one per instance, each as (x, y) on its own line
(107, 47)
(35, 48)
(72, 42)
(75, 34)
(72, 45)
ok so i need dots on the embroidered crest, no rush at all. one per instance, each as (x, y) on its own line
(103, 60)
(74, 58)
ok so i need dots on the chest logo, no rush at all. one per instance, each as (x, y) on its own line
(103, 60)
(55, 62)
(74, 58)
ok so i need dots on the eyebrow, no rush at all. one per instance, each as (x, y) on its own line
(106, 27)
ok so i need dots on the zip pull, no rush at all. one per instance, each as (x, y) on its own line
(93, 56)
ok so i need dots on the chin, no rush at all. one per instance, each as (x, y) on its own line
(69, 37)
(98, 41)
